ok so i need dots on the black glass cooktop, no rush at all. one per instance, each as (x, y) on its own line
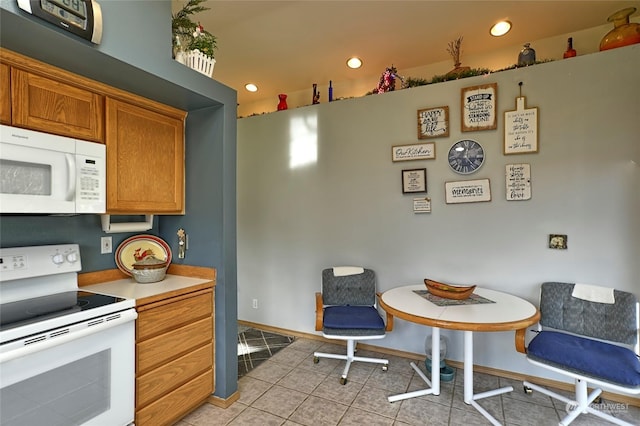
(23, 312)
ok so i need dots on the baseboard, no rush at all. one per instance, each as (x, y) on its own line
(223, 402)
(625, 399)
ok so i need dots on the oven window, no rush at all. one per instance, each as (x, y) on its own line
(68, 395)
(19, 177)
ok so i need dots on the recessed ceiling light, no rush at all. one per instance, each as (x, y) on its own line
(500, 29)
(354, 63)
(251, 87)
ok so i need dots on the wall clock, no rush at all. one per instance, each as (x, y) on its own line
(466, 156)
(80, 17)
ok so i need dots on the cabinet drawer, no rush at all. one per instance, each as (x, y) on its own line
(172, 375)
(173, 315)
(52, 106)
(178, 403)
(158, 350)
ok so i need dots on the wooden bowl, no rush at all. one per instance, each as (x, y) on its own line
(449, 291)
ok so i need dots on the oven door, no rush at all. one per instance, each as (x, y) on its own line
(79, 378)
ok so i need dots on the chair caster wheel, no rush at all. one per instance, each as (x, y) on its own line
(316, 360)
(385, 367)
(527, 390)
(343, 380)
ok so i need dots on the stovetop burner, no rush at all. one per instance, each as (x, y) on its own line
(29, 311)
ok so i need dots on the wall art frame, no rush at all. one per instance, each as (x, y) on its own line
(479, 107)
(433, 122)
(414, 180)
(422, 205)
(467, 191)
(518, 182)
(521, 129)
(416, 151)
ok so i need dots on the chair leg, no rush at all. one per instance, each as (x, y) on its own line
(349, 358)
(580, 405)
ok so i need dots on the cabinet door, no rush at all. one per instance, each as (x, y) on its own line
(52, 106)
(5, 95)
(145, 160)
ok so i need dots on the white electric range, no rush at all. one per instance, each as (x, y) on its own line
(67, 356)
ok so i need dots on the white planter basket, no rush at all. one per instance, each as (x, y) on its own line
(198, 61)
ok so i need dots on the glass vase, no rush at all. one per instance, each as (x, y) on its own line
(623, 32)
(527, 55)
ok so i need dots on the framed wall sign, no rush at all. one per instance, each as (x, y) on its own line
(422, 205)
(414, 180)
(478, 107)
(521, 129)
(433, 122)
(467, 191)
(418, 151)
(518, 182)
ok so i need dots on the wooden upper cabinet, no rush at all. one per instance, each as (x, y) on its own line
(53, 106)
(145, 159)
(5, 94)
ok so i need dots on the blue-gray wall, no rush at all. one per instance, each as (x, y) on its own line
(135, 55)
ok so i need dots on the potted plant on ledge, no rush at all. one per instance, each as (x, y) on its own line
(192, 44)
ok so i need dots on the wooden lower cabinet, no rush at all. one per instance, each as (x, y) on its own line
(174, 357)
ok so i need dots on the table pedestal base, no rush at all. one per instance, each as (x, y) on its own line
(469, 397)
(434, 388)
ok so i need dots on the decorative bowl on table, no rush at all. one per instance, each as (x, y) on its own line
(149, 270)
(449, 291)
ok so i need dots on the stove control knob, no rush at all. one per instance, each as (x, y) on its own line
(72, 257)
(58, 259)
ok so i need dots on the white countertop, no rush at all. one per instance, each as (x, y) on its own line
(128, 288)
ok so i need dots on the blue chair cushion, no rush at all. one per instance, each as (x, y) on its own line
(352, 317)
(601, 360)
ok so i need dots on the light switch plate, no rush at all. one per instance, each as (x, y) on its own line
(106, 245)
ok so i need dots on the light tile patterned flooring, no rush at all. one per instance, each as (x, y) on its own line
(289, 389)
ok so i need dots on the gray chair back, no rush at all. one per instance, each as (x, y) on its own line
(615, 322)
(358, 289)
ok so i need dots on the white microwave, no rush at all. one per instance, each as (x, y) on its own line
(44, 173)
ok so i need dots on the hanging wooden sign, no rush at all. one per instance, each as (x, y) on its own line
(518, 182)
(521, 129)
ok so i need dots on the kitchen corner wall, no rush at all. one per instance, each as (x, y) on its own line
(135, 55)
(317, 188)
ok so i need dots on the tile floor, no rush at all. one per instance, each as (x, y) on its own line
(289, 389)
(256, 346)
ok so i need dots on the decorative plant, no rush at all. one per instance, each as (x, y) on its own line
(188, 35)
(455, 50)
(387, 81)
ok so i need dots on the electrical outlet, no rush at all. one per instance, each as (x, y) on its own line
(106, 245)
(255, 303)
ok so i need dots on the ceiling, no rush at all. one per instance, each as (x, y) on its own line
(286, 46)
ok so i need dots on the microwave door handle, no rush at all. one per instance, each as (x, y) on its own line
(71, 172)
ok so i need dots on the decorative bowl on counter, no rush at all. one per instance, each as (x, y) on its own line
(149, 270)
(448, 291)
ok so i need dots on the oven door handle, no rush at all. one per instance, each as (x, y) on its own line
(108, 322)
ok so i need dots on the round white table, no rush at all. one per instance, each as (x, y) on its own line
(506, 313)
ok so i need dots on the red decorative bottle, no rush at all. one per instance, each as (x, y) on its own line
(571, 52)
(282, 105)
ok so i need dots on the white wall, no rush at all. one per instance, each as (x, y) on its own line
(346, 205)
